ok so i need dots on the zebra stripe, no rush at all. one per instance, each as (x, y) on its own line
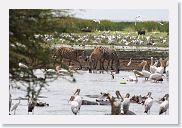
(69, 53)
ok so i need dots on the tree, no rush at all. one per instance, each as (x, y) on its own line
(29, 51)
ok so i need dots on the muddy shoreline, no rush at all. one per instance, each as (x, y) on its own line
(124, 57)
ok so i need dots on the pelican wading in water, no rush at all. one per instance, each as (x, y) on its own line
(126, 104)
(132, 78)
(164, 105)
(145, 73)
(76, 102)
(153, 67)
(156, 77)
(148, 103)
(115, 103)
(161, 68)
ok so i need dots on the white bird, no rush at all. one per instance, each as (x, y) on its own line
(61, 71)
(148, 103)
(156, 77)
(131, 78)
(15, 106)
(76, 102)
(21, 65)
(129, 63)
(164, 105)
(115, 103)
(153, 67)
(97, 21)
(137, 18)
(161, 23)
(161, 68)
(145, 73)
(126, 103)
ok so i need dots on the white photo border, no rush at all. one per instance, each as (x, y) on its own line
(170, 5)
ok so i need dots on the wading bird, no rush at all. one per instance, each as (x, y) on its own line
(156, 77)
(126, 104)
(115, 103)
(153, 67)
(164, 105)
(76, 102)
(145, 73)
(148, 103)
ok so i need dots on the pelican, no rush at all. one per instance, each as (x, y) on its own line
(145, 73)
(131, 78)
(126, 103)
(148, 103)
(161, 68)
(16, 106)
(153, 67)
(129, 63)
(76, 102)
(164, 105)
(156, 77)
(115, 103)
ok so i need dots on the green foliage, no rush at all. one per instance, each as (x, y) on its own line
(72, 25)
(30, 50)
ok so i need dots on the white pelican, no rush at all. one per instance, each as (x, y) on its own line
(145, 73)
(164, 105)
(76, 102)
(115, 103)
(129, 63)
(126, 103)
(131, 78)
(161, 68)
(148, 103)
(156, 77)
(153, 67)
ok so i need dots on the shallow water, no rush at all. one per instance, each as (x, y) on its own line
(59, 92)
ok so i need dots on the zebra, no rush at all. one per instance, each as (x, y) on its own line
(69, 53)
(95, 57)
(101, 54)
(111, 56)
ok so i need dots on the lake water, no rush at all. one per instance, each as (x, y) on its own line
(59, 92)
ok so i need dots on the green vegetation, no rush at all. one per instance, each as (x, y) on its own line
(72, 25)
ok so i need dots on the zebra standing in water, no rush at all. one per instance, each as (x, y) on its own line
(101, 54)
(95, 57)
(111, 56)
(70, 54)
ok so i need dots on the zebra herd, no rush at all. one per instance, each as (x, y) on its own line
(98, 56)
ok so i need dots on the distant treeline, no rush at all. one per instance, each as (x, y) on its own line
(71, 24)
